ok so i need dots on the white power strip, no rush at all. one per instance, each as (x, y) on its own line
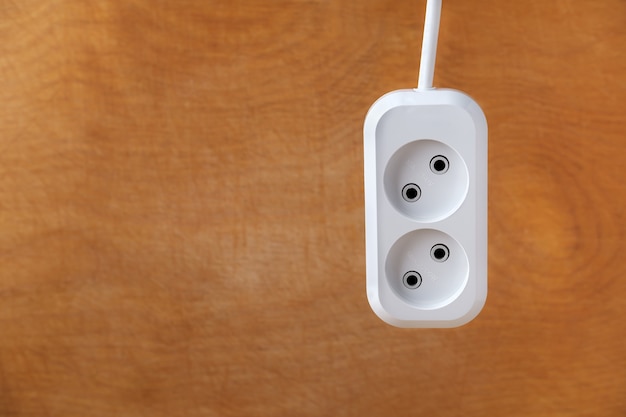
(426, 203)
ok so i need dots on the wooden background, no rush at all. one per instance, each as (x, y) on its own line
(181, 209)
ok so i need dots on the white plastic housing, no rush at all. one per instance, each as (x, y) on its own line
(406, 134)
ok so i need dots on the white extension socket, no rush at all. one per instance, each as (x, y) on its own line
(426, 208)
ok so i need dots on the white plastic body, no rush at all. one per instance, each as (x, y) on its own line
(403, 130)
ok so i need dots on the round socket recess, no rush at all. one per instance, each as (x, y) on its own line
(441, 282)
(436, 170)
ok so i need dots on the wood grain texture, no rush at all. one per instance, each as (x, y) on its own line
(181, 209)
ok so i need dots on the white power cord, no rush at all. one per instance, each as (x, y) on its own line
(429, 45)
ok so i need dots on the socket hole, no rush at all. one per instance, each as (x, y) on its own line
(440, 252)
(411, 192)
(439, 164)
(412, 280)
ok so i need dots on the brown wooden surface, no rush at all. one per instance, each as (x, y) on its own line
(181, 209)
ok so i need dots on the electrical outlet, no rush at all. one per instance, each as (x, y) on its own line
(425, 154)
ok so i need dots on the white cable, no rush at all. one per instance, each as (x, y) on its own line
(429, 44)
